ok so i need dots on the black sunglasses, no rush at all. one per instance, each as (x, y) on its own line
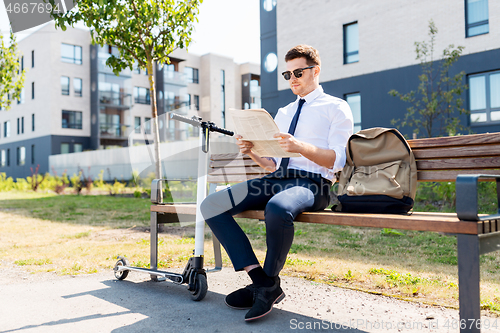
(297, 72)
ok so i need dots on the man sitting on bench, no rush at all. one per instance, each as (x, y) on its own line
(317, 126)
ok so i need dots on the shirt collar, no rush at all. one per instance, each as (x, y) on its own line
(312, 95)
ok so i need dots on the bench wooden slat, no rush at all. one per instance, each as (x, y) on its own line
(465, 140)
(450, 175)
(228, 156)
(457, 164)
(447, 223)
(232, 163)
(457, 152)
(232, 178)
(237, 171)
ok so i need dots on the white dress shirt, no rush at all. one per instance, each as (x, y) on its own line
(325, 122)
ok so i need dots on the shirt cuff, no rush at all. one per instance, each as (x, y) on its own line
(340, 159)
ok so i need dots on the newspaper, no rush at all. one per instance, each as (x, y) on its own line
(257, 126)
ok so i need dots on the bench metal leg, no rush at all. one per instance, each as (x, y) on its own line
(154, 242)
(468, 281)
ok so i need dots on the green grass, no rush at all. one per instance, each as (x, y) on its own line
(91, 210)
(410, 262)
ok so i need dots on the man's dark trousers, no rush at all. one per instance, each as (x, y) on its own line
(282, 197)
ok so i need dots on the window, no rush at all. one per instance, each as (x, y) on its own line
(191, 74)
(72, 119)
(169, 71)
(484, 98)
(32, 154)
(6, 129)
(21, 98)
(141, 95)
(354, 101)
(20, 125)
(33, 122)
(3, 158)
(33, 59)
(8, 157)
(196, 102)
(64, 85)
(78, 147)
(71, 54)
(137, 124)
(21, 155)
(77, 84)
(351, 43)
(32, 90)
(147, 125)
(223, 97)
(476, 17)
(64, 148)
(22, 63)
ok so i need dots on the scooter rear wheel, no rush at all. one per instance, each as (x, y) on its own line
(120, 275)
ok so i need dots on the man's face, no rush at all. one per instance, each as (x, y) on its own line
(306, 83)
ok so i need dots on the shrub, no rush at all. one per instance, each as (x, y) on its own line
(6, 184)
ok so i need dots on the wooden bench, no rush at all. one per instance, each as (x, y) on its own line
(464, 159)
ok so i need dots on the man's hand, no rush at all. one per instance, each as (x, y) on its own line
(320, 156)
(245, 146)
(289, 143)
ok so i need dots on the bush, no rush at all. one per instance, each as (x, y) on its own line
(99, 182)
(116, 188)
(441, 197)
(6, 184)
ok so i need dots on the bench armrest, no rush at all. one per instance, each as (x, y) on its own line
(156, 191)
(467, 199)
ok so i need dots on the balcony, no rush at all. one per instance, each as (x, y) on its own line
(113, 131)
(175, 78)
(255, 91)
(115, 99)
(103, 68)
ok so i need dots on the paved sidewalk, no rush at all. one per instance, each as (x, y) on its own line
(100, 303)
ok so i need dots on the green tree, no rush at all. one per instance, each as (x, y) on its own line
(11, 76)
(144, 32)
(435, 104)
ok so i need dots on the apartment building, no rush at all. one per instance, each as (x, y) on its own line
(72, 102)
(367, 48)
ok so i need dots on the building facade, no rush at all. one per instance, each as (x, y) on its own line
(72, 102)
(367, 49)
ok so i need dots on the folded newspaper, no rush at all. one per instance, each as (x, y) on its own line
(257, 126)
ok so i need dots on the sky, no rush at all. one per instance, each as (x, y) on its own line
(226, 27)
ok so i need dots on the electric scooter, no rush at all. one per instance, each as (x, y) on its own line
(194, 275)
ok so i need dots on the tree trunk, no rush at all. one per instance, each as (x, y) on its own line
(156, 131)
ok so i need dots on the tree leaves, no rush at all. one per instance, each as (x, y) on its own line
(434, 112)
(142, 31)
(11, 76)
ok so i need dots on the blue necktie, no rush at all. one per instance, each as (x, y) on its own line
(284, 161)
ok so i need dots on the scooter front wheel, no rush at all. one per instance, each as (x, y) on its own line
(201, 288)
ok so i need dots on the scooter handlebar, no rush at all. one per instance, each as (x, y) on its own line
(212, 127)
(191, 121)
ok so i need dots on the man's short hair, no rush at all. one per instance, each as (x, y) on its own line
(304, 51)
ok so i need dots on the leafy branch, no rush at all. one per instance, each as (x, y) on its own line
(435, 103)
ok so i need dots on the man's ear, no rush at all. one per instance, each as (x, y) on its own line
(317, 70)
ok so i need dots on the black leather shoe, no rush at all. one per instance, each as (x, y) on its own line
(264, 299)
(241, 299)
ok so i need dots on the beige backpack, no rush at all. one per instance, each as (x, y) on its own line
(380, 174)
